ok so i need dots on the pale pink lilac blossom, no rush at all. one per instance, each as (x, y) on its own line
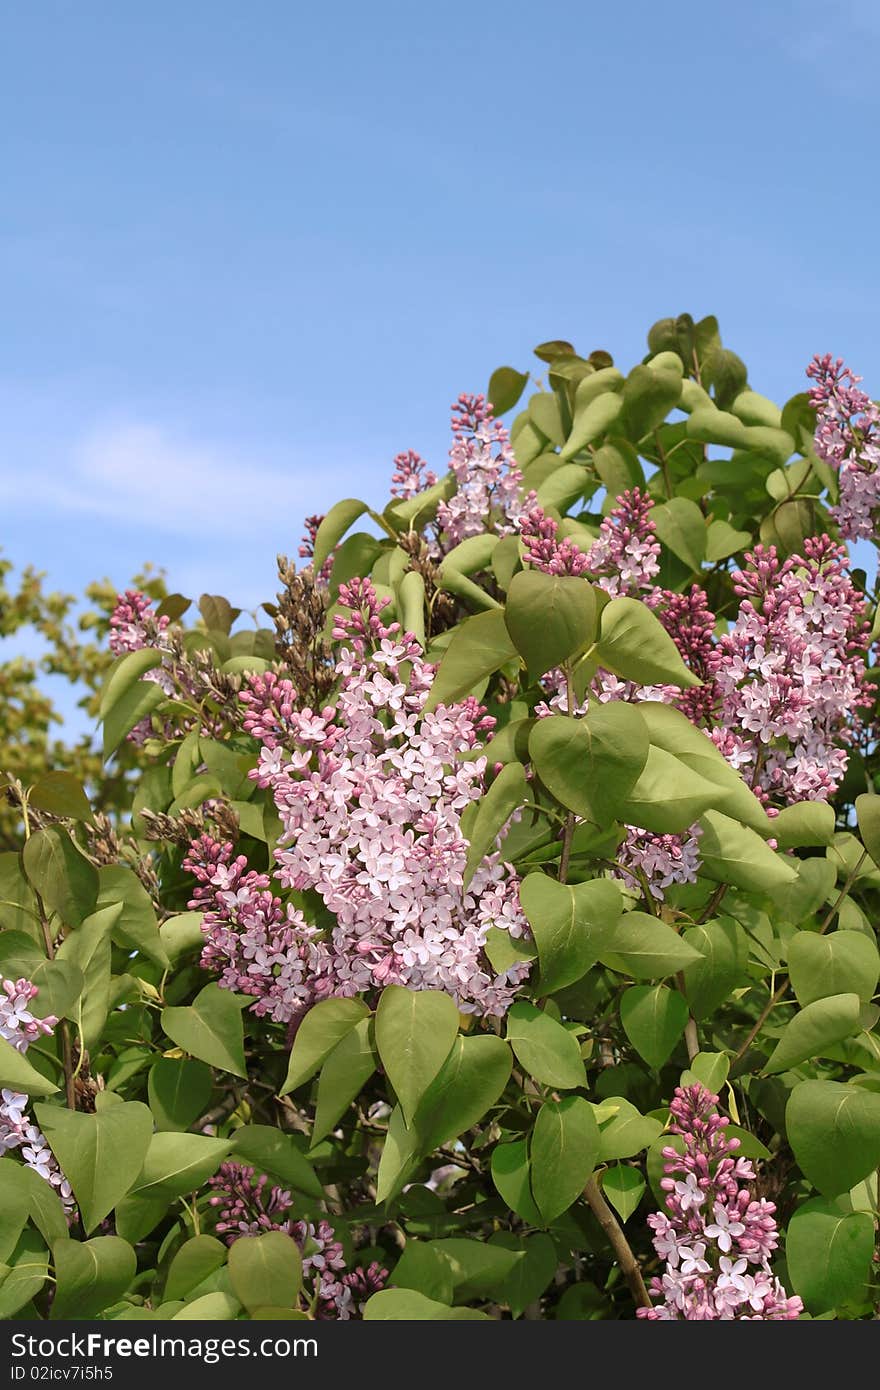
(489, 480)
(20, 1026)
(715, 1237)
(370, 793)
(848, 438)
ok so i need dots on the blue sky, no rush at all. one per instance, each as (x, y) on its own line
(250, 252)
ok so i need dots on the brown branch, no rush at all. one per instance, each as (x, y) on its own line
(626, 1260)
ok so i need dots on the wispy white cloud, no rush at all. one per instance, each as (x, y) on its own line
(143, 474)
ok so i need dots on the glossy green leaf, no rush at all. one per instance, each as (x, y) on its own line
(479, 646)
(179, 1090)
(868, 814)
(14, 1203)
(815, 1029)
(344, 1075)
(101, 1155)
(829, 1252)
(62, 794)
(668, 796)
(196, 1259)
(90, 1276)
(137, 927)
(840, 962)
(634, 644)
(672, 731)
(407, 1305)
(333, 527)
(547, 1050)
(623, 1188)
(470, 1082)
(805, 824)
(733, 853)
(549, 618)
(532, 1273)
(265, 1269)
(325, 1024)
(834, 1132)
(653, 1018)
(646, 948)
(681, 526)
(508, 791)
(65, 880)
(511, 1174)
(17, 1073)
(272, 1151)
(210, 1028)
(24, 1274)
(568, 923)
(506, 385)
(626, 1132)
(176, 1164)
(415, 1031)
(591, 765)
(710, 979)
(564, 1152)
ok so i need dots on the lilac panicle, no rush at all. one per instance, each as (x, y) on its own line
(715, 1237)
(20, 1027)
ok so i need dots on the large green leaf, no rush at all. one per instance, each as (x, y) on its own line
(24, 1273)
(90, 1276)
(14, 1203)
(547, 1050)
(550, 617)
(733, 853)
(194, 1262)
(334, 526)
(672, 731)
(533, 1272)
(265, 1270)
(507, 792)
(210, 1028)
(709, 981)
(135, 704)
(65, 880)
(591, 765)
(840, 962)
(803, 825)
(137, 927)
(668, 795)
(101, 1155)
(470, 1082)
(179, 1163)
(634, 644)
(325, 1024)
(506, 385)
(564, 1152)
(478, 647)
(17, 1073)
(179, 1090)
(62, 794)
(646, 948)
(681, 526)
(511, 1174)
(626, 1132)
(344, 1075)
(415, 1030)
(407, 1305)
(478, 1269)
(834, 1132)
(648, 396)
(568, 923)
(815, 1029)
(828, 1251)
(868, 813)
(272, 1151)
(653, 1018)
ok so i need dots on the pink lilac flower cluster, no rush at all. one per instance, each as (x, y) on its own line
(249, 1205)
(370, 794)
(792, 672)
(543, 550)
(848, 438)
(21, 1027)
(307, 546)
(659, 860)
(488, 476)
(625, 557)
(411, 475)
(715, 1237)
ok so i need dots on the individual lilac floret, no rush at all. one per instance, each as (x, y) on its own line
(716, 1238)
(848, 438)
(21, 1027)
(248, 1205)
(485, 469)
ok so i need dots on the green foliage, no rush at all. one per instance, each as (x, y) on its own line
(464, 1153)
